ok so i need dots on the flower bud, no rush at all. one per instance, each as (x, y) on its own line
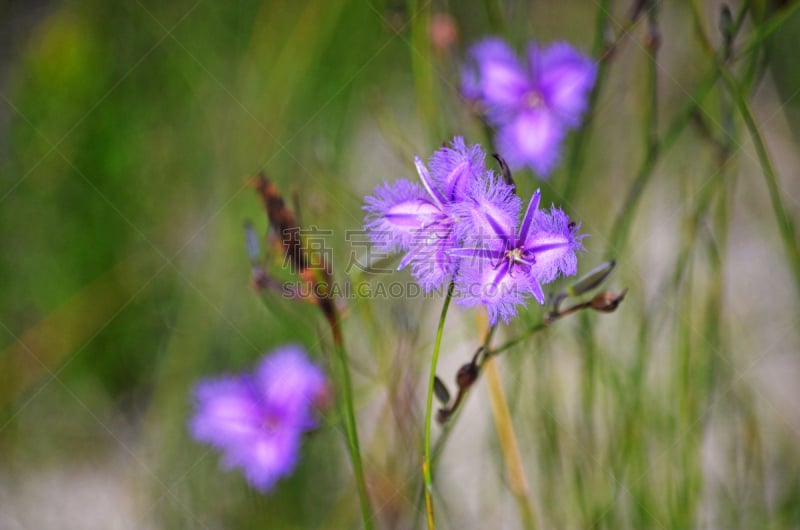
(591, 279)
(441, 391)
(466, 376)
(607, 301)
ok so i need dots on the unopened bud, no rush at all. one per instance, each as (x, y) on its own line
(607, 301)
(466, 376)
(441, 391)
(592, 279)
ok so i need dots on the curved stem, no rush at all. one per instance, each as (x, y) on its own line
(513, 342)
(426, 462)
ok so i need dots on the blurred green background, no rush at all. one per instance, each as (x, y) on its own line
(128, 132)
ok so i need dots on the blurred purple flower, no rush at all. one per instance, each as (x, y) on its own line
(510, 266)
(533, 104)
(428, 221)
(257, 420)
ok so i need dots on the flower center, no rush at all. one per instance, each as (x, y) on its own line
(271, 423)
(515, 255)
(533, 98)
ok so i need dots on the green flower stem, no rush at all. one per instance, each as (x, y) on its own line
(513, 342)
(768, 28)
(652, 145)
(448, 426)
(580, 141)
(349, 415)
(621, 225)
(422, 68)
(427, 472)
(352, 437)
(494, 12)
(488, 353)
(785, 223)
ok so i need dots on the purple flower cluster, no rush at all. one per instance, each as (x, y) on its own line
(532, 103)
(462, 225)
(422, 220)
(257, 419)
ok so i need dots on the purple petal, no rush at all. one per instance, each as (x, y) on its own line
(488, 217)
(501, 78)
(424, 176)
(396, 212)
(430, 259)
(290, 385)
(228, 411)
(267, 458)
(527, 221)
(533, 54)
(532, 139)
(536, 290)
(470, 83)
(553, 243)
(566, 78)
(454, 168)
(494, 286)
(477, 253)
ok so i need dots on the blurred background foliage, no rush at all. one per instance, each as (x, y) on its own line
(128, 132)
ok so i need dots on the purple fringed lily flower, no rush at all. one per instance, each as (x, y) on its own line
(257, 420)
(532, 103)
(430, 220)
(510, 266)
